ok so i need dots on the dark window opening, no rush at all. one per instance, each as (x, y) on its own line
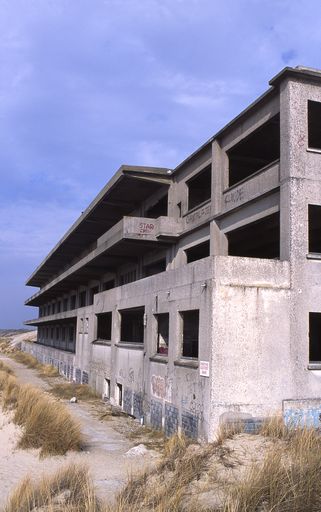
(108, 285)
(259, 149)
(58, 306)
(132, 325)
(93, 292)
(73, 302)
(82, 299)
(314, 124)
(162, 333)
(65, 304)
(158, 209)
(198, 252)
(190, 333)
(314, 228)
(57, 333)
(260, 239)
(53, 309)
(154, 268)
(104, 323)
(199, 188)
(128, 277)
(107, 388)
(315, 337)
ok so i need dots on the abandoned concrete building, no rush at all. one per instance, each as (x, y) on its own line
(192, 296)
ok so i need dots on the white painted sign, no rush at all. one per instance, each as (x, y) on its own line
(204, 369)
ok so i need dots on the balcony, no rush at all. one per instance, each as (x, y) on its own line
(127, 240)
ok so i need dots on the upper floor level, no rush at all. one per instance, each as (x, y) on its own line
(233, 180)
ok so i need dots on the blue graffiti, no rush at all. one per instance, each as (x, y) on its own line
(303, 417)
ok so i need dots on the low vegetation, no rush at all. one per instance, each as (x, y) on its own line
(46, 423)
(67, 390)
(69, 490)
(27, 359)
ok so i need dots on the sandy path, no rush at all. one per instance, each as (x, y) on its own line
(105, 451)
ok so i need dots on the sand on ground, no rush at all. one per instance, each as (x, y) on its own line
(105, 452)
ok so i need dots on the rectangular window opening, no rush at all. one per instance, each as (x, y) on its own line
(314, 229)
(259, 149)
(199, 188)
(162, 333)
(198, 252)
(93, 292)
(132, 325)
(259, 239)
(190, 333)
(104, 323)
(73, 302)
(107, 388)
(314, 124)
(83, 299)
(315, 338)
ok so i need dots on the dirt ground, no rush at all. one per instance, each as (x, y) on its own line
(107, 442)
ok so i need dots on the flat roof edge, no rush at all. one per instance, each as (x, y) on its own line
(123, 170)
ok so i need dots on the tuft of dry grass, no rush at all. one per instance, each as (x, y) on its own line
(26, 359)
(228, 430)
(288, 479)
(47, 424)
(47, 370)
(67, 390)
(68, 490)
(5, 368)
(151, 492)
(275, 428)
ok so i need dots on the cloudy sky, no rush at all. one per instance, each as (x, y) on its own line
(86, 85)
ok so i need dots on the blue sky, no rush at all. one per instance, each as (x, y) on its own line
(86, 85)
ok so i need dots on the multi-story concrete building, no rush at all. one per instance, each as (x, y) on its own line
(193, 295)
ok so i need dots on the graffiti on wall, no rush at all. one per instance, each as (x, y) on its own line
(161, 387)
(302, 413)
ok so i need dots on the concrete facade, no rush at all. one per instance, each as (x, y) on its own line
(190, 297)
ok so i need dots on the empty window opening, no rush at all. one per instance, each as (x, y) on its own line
(71, 338)
(58, 306)
(73, 302)
(82, 299)
(93, 292)
(190, 333)
(314, 124)
(162, 333)
(104, 323)
(315, 337)
(259, 239)
(198, 252)
(107, 388)
(128, 277)
(108, 285)
(119, 394)
(132, 325)
(259, 149)
(65, 304)
(53, 309)
(158, 209)
(154, 268)
(314, 228)
(199, 188)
